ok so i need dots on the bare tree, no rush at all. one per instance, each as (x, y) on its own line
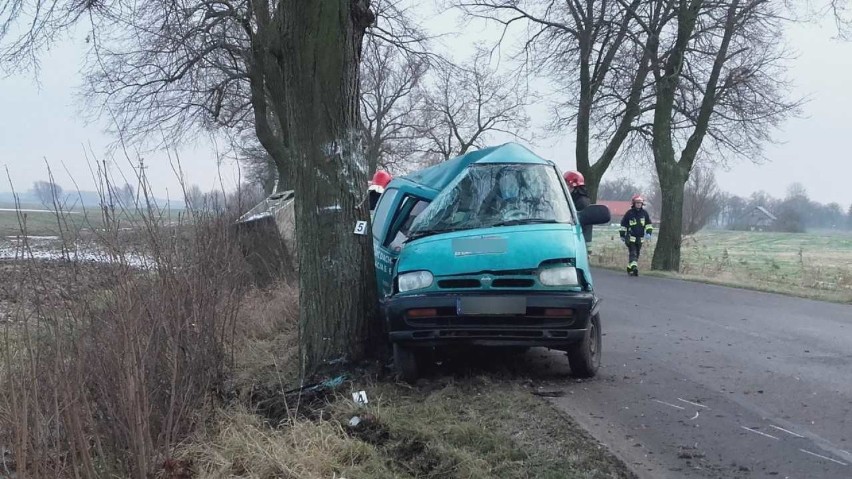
(621, 189)
(718, 90)
(126, 195)
(194, 197)
(600, 76)
(48, 193)
(178, 70)
(464, 105)
(286, 69)
(701, 201)
(849, 218)
(391, 103)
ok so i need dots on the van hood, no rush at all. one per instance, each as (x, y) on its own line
(522, 247)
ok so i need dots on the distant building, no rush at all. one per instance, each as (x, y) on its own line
(617, 209)
(757, 219)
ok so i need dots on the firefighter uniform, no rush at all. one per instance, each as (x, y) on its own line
(635, 226)
(581, 200)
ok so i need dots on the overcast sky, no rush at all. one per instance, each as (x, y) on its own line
(45, 121)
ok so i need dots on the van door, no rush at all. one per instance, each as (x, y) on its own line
(394, 216)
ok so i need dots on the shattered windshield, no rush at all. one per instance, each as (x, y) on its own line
(496, 195)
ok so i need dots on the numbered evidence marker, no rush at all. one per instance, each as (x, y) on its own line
(360, 397)
(361, 228)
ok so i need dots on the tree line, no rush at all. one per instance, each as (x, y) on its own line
(706, 205)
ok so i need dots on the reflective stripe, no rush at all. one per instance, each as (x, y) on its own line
(649, 228)
(632, 222)
(632, 239)
(623, 228)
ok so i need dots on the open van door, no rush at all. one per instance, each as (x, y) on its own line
(396, 211)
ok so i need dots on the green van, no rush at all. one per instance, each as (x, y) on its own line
(486, 249)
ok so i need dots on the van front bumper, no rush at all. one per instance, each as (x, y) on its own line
(555, 320)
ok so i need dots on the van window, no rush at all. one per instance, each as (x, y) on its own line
(383, 214)
(402, 234)
(497, 194)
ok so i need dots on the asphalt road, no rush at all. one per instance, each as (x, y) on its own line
(706, 381)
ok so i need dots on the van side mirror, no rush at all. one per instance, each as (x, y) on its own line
(594, 215)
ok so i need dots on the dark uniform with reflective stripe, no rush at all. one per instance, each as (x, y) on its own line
(581, 200)
(634, 226)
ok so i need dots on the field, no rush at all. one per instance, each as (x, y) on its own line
(814, 265)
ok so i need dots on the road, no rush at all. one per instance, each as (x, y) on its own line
(705, 381)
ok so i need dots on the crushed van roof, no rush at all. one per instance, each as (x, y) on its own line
(439, 176)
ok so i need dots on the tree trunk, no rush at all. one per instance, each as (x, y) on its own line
(671, 174)
(338, 320)
(672, 184)
(584, 114)
(283, 177)
(593, 183)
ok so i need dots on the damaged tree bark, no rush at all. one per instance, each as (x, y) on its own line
(320, 63)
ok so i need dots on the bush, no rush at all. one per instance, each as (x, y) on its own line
(110, 364)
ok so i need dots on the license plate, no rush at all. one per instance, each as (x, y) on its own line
(492, 305)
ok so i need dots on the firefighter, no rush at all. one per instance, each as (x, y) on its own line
(377, 187)
(635, 226)
(577, 186)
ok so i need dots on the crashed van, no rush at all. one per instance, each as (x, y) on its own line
(486, 249)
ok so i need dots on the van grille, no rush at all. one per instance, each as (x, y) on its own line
(458, 283)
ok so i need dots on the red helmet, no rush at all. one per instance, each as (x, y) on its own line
(638, 199)
(574, 179)
(381, 178)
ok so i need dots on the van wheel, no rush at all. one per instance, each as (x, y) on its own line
(585, 357)
(405, 362)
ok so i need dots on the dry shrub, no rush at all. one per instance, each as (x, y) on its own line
(104, 382)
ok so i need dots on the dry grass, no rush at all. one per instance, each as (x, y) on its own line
(475, 428)
(107, 366)
(266, 346)
(241, 444)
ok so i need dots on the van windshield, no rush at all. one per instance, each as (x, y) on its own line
(496, 194)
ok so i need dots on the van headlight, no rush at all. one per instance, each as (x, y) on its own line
(559, 276)
(414, 280)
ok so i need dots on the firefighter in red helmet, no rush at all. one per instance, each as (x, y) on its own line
(635, 226)
(577, 186)
(377, 187)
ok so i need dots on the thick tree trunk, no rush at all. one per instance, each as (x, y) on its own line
(584, 114)
(593, 183)
(283, 177)
(672, 184)
(338, 320)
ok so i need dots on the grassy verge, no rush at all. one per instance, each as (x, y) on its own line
(474, 428)
(813, 265)
(479, 419)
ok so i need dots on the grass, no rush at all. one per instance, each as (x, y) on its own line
(811, 265)
(473, 428)
(479, 419)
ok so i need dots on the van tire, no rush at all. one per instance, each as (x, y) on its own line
(406, 363)
(585, 356)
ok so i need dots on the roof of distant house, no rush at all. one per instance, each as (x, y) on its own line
(766, 212)
(616, 208)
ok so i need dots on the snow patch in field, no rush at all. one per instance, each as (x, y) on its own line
(75, 253)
